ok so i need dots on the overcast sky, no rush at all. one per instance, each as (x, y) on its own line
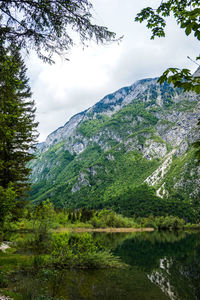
(68, 87)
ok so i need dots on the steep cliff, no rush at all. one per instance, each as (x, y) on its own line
(138, 137)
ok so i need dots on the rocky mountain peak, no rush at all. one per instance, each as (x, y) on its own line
(145, 90)
(138, 136)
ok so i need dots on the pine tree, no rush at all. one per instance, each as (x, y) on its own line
(17, 127)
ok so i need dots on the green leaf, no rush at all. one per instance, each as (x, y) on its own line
(188, 30)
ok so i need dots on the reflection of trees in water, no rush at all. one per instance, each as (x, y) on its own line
(113, 240)
(125, 284)
(146, 250)
(110, 240)
(165, 265)
(172, 261)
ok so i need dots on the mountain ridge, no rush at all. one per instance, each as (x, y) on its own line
(101, 152)
(94, 108)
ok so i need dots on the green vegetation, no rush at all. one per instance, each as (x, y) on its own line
(125, 169)
(7, 198)
(182, 174)
(18, 134)
(25, 277)
(20, 28)
(132, 111)
(186, 14)
(162, 223)
(60, 252)
(52, 252)
(75, 250)
(43, 218)
(141, 201)
(197, 146)
(90, 127)
(108, 218)
(110, 172)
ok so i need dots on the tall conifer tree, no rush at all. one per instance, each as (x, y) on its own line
(17, 126)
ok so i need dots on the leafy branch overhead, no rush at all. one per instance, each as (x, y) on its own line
(181, 79)
(187, 15)
(48, 26)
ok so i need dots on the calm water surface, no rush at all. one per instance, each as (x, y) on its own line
(161, 266)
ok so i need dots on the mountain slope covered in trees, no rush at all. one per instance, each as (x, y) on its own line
(132, 151)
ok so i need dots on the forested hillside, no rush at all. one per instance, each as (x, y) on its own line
(132, 151)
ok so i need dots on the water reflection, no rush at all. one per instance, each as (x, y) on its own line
(163, 265)
(170, 260)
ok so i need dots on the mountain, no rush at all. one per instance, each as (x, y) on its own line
(131, 151)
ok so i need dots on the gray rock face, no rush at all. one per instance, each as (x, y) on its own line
(2, 297)
(78, 146)
(167, 134)
(108, 106)
(82, 181)
(178, 127)
(113, 103)
(182, 149)
(62, 133)
(92, 171)
(110, 157)
(154, 149)
(159, 174)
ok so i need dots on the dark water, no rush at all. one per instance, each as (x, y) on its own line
(161, 266)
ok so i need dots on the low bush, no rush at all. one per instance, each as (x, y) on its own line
(108, 218)
(80, 250)
(163, 223)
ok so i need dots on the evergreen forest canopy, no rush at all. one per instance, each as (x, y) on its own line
(18, 133)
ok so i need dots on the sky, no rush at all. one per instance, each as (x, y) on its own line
(69, 87)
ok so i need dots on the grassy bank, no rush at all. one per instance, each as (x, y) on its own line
(82, 229)
(44, 217)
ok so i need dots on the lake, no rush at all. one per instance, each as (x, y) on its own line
(161, 265)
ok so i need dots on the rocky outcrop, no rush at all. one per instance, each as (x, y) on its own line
(159, 174)
(82, 181)
(4, 246)
(2, 297)
(145, 121)
(109, 105)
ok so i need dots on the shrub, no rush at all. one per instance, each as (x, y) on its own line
(43, 218)
(108, 218)
(80, 250)
(163, 223)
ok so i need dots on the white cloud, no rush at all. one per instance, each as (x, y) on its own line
(69, 87)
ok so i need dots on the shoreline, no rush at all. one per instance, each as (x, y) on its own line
(79, 229)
